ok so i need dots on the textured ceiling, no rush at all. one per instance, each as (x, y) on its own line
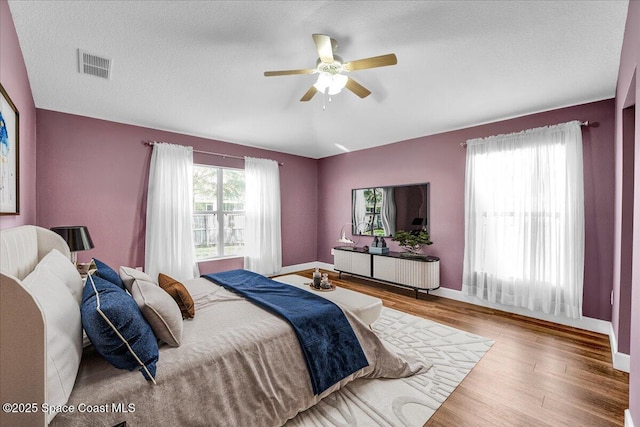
(196, 67)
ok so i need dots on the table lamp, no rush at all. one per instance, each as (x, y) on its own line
(77, 237)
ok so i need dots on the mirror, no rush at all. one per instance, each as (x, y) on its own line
(381, 211)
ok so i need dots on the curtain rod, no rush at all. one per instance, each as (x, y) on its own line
(226, 156)
(585, 123)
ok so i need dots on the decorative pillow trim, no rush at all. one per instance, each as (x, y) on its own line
(112, 326)
(129, 275)
(175, 340)
(160, 310)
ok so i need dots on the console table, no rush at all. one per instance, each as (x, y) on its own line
(421, 273)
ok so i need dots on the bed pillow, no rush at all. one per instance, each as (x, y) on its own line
(128, 275)
(63, 333)
(160, 310)
(107, 273)
(64, 270)
(118, 331)
(179, 293)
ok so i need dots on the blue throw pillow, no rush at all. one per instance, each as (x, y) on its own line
(114, 324)
(108, 273)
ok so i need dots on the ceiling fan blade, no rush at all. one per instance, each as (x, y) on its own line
(373, 62)
(289, 72)
(324, 47)
(307, 96)
(357, 88)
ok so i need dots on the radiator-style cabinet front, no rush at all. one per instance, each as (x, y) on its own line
(352, 261)
(416, 273)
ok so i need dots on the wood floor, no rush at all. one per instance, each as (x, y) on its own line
(536, 374)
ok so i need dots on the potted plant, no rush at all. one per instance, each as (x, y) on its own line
(412, 241)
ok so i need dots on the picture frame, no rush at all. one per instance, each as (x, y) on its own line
(9, 155)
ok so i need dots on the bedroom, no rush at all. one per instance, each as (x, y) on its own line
(72, 163)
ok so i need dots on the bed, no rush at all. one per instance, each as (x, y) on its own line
(236, 364)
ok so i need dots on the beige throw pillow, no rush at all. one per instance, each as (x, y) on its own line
(128, 275)
(160, 310)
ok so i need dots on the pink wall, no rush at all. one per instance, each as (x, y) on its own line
(14, 79)
(440, 160)
(628, 93)
(95, 173)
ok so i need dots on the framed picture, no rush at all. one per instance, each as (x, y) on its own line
(9, 160)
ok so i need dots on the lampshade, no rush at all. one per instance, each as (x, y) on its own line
(333, 82)
(76, 236)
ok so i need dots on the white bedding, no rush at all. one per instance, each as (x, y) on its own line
(238, 365)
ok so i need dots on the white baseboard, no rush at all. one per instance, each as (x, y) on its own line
(621, 361)
(306, 266)
(628, 422)
(587, 323)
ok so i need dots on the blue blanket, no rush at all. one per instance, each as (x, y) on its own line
(330, 347)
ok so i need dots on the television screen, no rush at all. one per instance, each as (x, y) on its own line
(381, 211)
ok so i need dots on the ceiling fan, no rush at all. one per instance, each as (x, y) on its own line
(331, 69)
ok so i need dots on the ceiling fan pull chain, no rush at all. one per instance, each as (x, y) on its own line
(324, 97)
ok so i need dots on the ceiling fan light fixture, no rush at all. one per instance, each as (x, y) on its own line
(331, 83)
(338, 83)
(331, 70)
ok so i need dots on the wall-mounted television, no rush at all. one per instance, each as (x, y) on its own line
(381, 211)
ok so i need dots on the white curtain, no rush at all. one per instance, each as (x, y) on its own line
(524, 220)
(359, 214)
(169, 245)
(263, 241)
(388, 211)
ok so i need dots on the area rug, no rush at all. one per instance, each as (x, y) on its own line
(406, 401)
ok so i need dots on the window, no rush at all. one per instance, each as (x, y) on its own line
(525, 216)
(524, 220)
(218, 211)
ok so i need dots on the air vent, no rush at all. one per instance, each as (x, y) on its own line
(94, 65)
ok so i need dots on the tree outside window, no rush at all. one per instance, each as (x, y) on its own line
(218, 216)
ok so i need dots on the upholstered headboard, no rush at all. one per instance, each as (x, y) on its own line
(21, 248)
(22, 326)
